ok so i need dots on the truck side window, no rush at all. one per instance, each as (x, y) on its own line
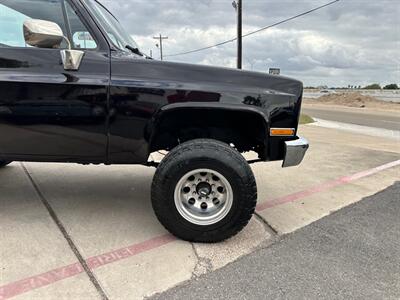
(81, 37)
(13, 14)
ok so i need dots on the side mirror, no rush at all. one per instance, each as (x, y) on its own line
(42, 34)
(46, 34)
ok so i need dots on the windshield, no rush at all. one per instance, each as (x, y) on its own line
(110, 24)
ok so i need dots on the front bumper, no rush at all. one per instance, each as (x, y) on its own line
(294, 152)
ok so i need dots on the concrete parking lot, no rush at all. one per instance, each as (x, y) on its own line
(88, 232)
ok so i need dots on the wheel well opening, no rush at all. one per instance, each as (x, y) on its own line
(246, 131)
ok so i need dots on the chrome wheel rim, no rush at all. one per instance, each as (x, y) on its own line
(203, 197)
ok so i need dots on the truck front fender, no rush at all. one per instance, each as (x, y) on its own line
(245, 120)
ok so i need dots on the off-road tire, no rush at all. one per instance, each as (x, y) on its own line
(4, 163)
(204, 154)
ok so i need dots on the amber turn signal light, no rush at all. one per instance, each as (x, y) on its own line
(282, 131)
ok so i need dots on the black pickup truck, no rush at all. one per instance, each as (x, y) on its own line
(74, 87)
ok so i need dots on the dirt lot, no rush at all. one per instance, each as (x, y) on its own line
(355, 99)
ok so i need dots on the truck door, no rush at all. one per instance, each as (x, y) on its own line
(46, 112)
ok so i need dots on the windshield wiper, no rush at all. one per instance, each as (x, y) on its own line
(137, 51)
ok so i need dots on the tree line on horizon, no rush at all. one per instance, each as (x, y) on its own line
(377, 86)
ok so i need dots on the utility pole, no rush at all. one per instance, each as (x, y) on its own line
(238, 6)
(160, 45)
(239, 44)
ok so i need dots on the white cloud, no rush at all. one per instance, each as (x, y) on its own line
(352, 42)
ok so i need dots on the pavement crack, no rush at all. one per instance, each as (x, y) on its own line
(202, 266)
(67, 237)
(267, 226)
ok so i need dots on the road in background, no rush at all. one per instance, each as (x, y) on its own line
(390, 120)
(352, 254)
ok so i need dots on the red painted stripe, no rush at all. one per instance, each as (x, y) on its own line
(324, 186)
(31, 283)
(123, 253)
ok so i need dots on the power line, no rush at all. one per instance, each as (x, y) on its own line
(256, 31)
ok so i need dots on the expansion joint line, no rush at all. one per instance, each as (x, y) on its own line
(67, 237)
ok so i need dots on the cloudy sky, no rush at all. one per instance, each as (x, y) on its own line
(352, 42)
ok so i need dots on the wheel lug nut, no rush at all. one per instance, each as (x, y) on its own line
(203, 205)
(191, 201)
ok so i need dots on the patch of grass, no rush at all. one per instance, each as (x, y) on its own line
(305, 119)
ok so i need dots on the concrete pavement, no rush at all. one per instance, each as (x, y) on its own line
(30, 242)
(107, 215)
(332, 155)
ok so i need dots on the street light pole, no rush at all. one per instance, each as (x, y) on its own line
(160, 39)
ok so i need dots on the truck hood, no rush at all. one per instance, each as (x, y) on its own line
(130, 70)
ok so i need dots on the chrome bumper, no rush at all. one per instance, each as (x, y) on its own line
(294, 152)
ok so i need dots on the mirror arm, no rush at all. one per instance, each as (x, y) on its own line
(68, 42)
